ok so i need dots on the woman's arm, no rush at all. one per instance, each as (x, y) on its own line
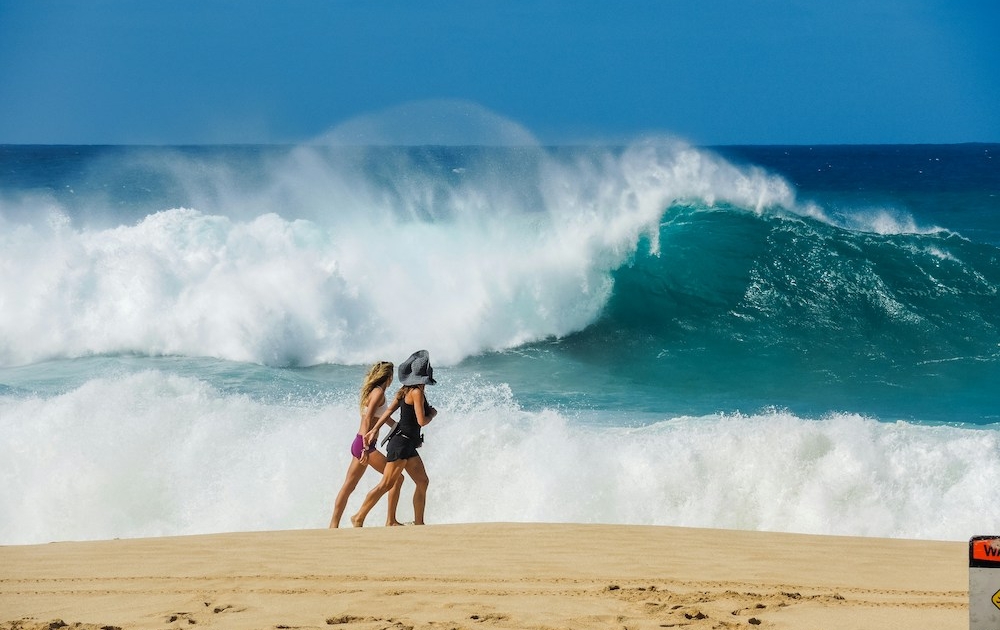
(372, 433)
(374, 400)
(423, 419)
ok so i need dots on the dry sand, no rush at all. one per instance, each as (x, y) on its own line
(488, 576)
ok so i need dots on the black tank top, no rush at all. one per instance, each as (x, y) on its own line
(408, 424)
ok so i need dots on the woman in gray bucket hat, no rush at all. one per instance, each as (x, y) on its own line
(401, 452)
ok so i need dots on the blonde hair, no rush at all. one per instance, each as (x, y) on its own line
(378, 375)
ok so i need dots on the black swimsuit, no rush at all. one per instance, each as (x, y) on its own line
(405, 438)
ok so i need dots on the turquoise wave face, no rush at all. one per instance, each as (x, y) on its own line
(740, 310)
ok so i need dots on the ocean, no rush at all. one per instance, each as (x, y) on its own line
(774, 338)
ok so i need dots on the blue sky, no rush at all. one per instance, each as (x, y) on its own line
(708, 71)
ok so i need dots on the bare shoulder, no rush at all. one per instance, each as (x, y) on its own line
(375, 397)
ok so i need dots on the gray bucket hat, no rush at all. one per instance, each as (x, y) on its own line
(417, 370)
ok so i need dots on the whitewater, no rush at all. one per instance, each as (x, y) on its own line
(652, 333)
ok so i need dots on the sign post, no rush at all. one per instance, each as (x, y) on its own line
(984, 583)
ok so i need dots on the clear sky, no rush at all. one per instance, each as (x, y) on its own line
(708, 71)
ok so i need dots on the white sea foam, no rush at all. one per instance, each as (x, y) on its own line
(151, 454)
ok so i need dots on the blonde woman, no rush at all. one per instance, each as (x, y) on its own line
(401, 451)
(363, 455)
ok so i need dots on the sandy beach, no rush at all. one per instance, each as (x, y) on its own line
(488, 576)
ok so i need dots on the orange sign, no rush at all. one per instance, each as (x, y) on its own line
(986, 549)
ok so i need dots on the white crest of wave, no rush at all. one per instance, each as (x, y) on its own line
(884, 221)
(327, 262)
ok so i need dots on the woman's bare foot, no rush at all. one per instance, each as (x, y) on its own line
(393, 524)
(357, 521)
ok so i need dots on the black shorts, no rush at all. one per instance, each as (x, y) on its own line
(401, 447)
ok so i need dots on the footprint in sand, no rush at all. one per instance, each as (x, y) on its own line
(342, 619)
(182, 618)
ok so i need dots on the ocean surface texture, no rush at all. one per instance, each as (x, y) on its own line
(801, 339)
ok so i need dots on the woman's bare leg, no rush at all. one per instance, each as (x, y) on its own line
(415, 469)
(355, 470)
(393, 470)
(377, 461)
(393, 501)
